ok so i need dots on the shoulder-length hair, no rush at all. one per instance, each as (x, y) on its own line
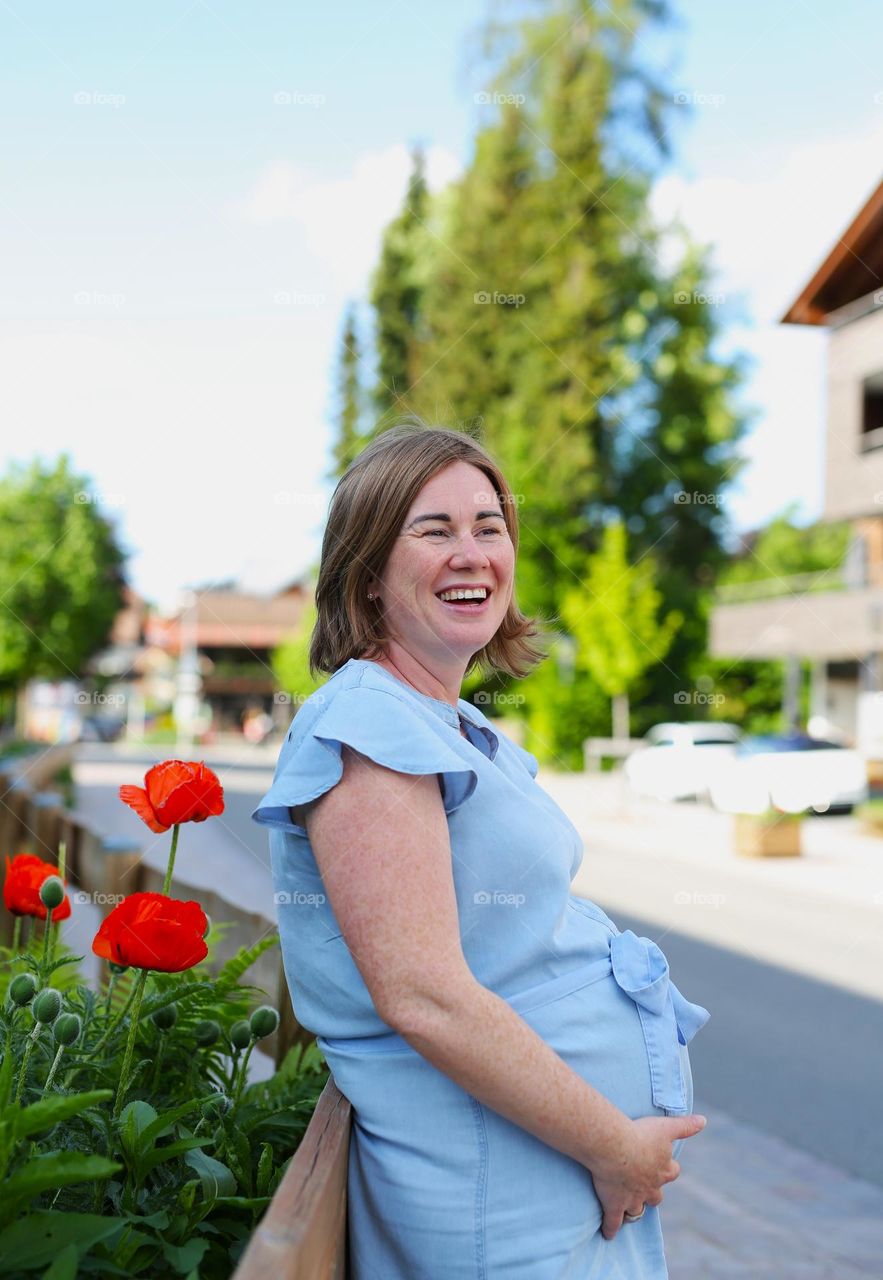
(367, 509)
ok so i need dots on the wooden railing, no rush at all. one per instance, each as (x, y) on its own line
(302, 1235)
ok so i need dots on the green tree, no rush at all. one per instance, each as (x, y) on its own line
(290, 660)
(396, 295)
(548, 325)
(616, 624)
(349, 408)
(61, 574)
(751, 692)
(784, 549)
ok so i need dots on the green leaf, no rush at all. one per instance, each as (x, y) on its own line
(160, 1155)
(58, 1169)
(134, 1119)
(48, 1111)
(187, 1256)
(37, 1239)
(161, 1125)
(217, 1179)
(265, 1168)
(230, 973)
(65, 1265)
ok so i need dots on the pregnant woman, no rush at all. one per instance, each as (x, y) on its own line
(517, 1065)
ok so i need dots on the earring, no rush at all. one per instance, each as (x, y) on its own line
(370, 595)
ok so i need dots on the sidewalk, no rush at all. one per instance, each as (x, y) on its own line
(820, 914)
(747, 1204)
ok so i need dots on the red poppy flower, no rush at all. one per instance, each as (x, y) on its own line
(153, 931)
(175, 791)
(25, 874)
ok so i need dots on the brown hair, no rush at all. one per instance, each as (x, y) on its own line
(367, 508)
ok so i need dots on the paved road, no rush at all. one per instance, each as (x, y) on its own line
(792, 1056)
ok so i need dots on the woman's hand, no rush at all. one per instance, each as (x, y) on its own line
(635, 1176)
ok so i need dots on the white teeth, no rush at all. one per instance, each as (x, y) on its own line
(479, 593)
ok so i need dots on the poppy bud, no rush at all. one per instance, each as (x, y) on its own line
(52, 892)
(47, 1005)
(206, 1033)
(22, 989)
(263, 1021)
(165, 1019)
(67, 1028)
(240, 1035)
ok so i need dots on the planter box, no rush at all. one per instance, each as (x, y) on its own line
(302, 1235)
(758, 836)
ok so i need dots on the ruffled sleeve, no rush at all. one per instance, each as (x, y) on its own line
(380, 725)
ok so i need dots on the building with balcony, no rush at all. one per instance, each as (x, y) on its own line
(834, 620)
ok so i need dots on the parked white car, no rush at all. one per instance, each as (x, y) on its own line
(677, 761)
(793, 773)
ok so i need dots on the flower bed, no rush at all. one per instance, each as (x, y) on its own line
(131, 1141)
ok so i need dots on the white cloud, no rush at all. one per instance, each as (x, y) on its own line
(342, 218)
(771, 233)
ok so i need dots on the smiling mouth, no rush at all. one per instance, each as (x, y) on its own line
(473, 605)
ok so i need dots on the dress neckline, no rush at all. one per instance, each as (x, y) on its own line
(453, 715)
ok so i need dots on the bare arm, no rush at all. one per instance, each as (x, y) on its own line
(381, 843)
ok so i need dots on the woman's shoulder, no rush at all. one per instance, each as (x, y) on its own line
(358, 689)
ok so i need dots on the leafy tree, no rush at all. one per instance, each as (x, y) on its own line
(547, 323)
(61, 574)
(784, 549)
(618, 630)
(751, 692)
(349, 410)
(396, 294)
(290, 661)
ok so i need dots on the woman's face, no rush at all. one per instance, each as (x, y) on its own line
(454, 535)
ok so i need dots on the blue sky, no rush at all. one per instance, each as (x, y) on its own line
(192, 192)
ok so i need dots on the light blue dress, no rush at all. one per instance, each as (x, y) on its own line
(440, 1186)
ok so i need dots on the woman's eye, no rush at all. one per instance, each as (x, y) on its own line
(489, 529)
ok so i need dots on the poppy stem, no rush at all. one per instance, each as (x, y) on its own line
(53, 1069)
(47, 934)
(130, 1044)
(167, 882)
(16, 938)
(117, 1018)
